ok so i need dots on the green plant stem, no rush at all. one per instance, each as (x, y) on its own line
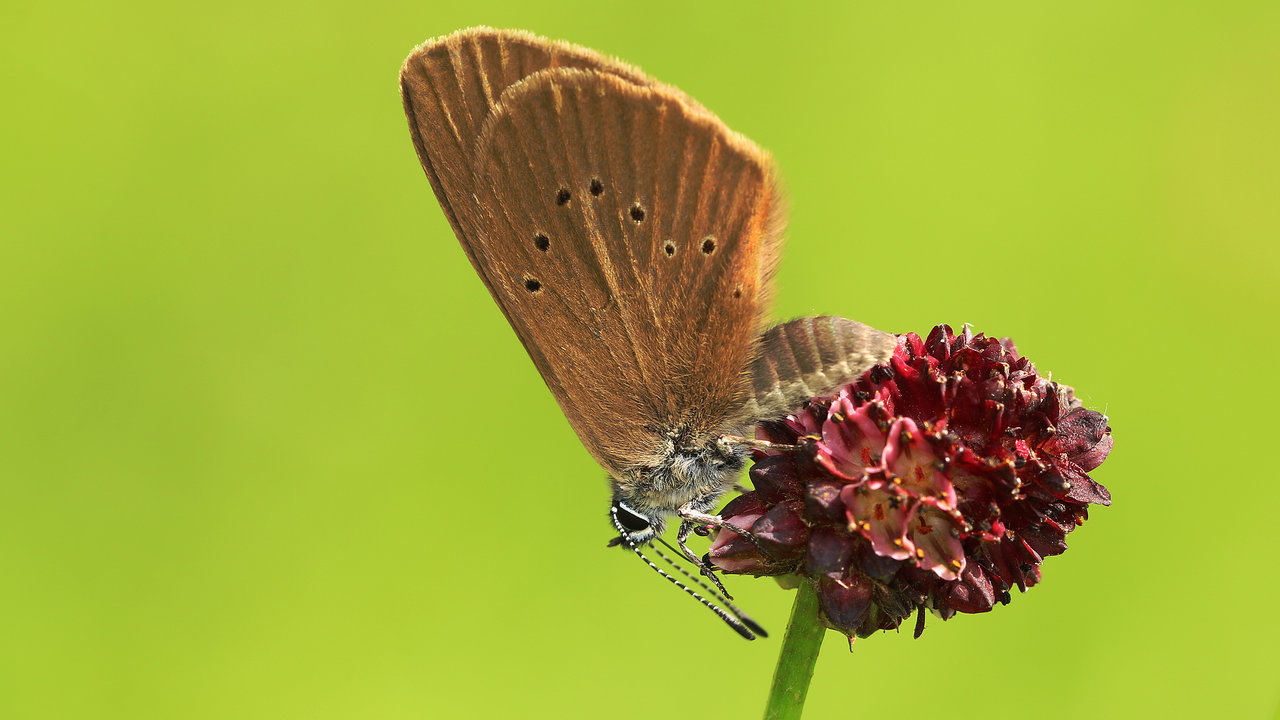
(799, 655)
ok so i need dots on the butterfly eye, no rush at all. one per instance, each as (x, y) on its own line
(629, 519)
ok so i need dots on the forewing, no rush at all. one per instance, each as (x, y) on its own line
(629, 237)
(449, 86)
(811, 357)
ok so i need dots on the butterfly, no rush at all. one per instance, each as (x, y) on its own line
(630, 239)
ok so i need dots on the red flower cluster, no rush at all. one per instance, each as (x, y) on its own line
(938, 481)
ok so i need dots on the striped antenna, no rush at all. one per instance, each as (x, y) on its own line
(721, 598)
(720, 592)
(729, 619)
(741, 624)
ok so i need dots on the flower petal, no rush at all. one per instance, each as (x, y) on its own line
(936, 537)
(880, 516)
(911, 463)
(851, 442)
(781, 530)
(844, 602)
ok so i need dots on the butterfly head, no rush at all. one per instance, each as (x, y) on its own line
(636, 526)
(689, 473)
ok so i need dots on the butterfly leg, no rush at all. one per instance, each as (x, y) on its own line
(757, 444)
(686, 529)
(693, 518)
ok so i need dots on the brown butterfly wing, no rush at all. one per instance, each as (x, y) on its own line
(811, 357)
(629, 237)
(449, 86)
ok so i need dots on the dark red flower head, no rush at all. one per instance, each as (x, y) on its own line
(937, 481)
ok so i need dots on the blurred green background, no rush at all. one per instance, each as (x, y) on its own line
(268, 449)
